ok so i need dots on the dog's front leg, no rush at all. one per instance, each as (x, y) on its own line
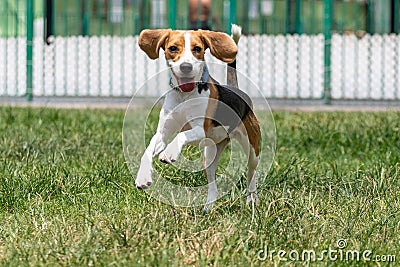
(166, 127)
(173, 149)
(144, 175)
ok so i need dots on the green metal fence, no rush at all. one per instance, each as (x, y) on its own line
(129, 17)
(30, 19)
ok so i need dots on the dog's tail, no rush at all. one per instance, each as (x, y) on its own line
(231, 74)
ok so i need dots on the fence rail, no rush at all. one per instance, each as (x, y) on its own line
(283, 66)
(292, 49)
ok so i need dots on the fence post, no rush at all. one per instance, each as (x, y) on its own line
(85, 17)
(299, 24)
(395, 16)
(172, 14)
(288, 23)
(232, 15)
(327, 50)
(29, 43)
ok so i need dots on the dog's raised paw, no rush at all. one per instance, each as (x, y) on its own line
(169, 155)
(163, 157)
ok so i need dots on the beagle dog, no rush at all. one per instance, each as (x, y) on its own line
(198, 107)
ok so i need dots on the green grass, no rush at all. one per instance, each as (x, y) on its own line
(67, 196)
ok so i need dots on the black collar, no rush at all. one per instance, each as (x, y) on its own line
(201, 85)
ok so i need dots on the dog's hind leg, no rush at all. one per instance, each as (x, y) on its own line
(251, 191)
(252, 163)
(248, 135)
(253, 138)
(212, 155)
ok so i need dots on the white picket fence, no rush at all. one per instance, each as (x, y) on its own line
(283, 66)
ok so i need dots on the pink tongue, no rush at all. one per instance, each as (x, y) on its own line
(187, 87)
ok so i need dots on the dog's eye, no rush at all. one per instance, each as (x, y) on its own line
(173, 49)
(197, 49)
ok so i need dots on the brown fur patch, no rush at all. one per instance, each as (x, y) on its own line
(186, 127)
(211, 108)
(252, 126)
(195, 40)
(150, 41)
(175, 38)
(221, 45)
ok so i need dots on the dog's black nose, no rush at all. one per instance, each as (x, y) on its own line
(186, 67)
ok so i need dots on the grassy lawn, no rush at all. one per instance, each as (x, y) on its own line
(67, 196)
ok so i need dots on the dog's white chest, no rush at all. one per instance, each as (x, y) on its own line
(186, 107)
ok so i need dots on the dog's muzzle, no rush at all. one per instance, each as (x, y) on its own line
(186, 67)
(187, 84)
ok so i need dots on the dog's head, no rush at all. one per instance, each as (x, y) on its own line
(184, 51)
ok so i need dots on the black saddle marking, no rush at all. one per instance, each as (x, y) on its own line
(233, 106)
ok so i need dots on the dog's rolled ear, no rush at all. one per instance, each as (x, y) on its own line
(150, 41)
(221, 45)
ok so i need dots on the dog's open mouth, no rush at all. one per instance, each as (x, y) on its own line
(186, 84)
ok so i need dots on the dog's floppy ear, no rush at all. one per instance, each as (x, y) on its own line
(150, 41)
(221, 45)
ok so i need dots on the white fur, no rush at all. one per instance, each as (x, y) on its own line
(178, 109)
(236, 33)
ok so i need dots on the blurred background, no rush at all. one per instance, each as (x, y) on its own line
(129, 17)
(322, 50)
